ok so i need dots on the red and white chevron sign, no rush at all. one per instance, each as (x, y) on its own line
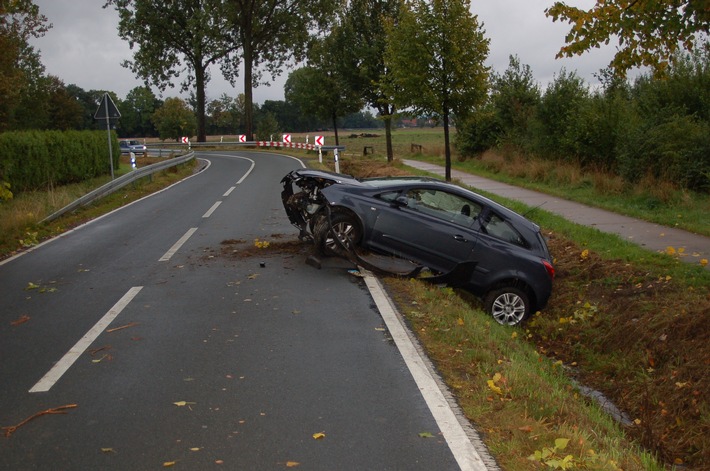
(185, 140)
(287, 138)
(242, 138)
(319, 140)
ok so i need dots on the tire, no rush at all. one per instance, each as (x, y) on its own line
(344, 225)
(508, 305)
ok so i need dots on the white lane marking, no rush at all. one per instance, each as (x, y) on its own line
(248, 171)
(177, 245)
(61, 367)
(229, 191)
(77, 228)
(460, 444)
(211, 210)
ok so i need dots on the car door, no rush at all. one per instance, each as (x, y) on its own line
(431, 226)
(501, 250)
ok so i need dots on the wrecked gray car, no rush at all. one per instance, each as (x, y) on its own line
(462, 238)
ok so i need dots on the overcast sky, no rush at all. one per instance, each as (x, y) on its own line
(83, 47)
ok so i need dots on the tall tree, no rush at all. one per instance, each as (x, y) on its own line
(322, 89)
(365, 34)
(169, 34)
(19, 21)
(174, 119)
(270, 33)
(649, 32)
(136, 111)
(436, 56)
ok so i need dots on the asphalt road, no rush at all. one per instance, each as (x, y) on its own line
(173, 340)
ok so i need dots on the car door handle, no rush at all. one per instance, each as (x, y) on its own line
(460, 238)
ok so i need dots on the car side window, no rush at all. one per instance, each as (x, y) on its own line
(388, 196)
(443, 205)
(500, 229)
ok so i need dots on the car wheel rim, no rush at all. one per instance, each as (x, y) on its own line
(508, 309)
(342, 231)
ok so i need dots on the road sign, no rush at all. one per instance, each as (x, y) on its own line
(185, 140)
(107, 109)
(318, 140)
(242, 138)
(287, 138)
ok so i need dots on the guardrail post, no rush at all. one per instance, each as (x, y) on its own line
(337, 164)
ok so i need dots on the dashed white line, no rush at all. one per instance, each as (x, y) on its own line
(177, 245)
(61, 367)
(211, 210)
(229, 191)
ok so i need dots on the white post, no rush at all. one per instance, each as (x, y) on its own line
(337, 164)
(320, 155)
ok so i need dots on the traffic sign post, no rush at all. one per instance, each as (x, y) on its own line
(107, 110)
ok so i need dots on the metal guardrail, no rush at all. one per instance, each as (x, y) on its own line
(119, 183)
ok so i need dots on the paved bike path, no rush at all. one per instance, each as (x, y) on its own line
(647, 234)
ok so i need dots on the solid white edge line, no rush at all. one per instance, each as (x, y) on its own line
(460, 444)
(168, 255)
(61, 367)
(211, 210)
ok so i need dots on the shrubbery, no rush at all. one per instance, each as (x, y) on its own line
(32, 160)
(652, 127)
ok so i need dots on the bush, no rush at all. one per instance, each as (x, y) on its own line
(31, 160)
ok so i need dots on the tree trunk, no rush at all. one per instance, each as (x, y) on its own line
(447, 145)
(388, 138)
(248, 93)
(335, 128)
(200, 92)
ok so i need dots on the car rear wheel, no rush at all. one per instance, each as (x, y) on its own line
(508, 306)
(343, 226)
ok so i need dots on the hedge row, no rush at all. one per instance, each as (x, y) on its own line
(31, 160)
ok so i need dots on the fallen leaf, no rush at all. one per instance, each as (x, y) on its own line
(292, 464)
(31, 286)
(319, 435)
(183, 403)
(168, 464)
(526, 429)
(108, 450)
(426, 435)
(195, 449)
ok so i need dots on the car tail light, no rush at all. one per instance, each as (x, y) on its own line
(550, 269)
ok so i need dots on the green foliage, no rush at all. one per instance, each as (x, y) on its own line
(175, 119)
(479, 132)
(20, 20)
(33, 159)
(267, 127)
(436, 55)
(649, 33)
(557, 116)
(515, 96)
(654, 127)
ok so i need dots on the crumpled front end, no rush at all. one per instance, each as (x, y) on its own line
(303, 200)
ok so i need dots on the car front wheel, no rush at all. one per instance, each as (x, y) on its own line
(343, 226)
(508, 306)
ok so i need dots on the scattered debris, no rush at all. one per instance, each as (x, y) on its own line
(20, 320)
(56, 410)
(130, 324)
